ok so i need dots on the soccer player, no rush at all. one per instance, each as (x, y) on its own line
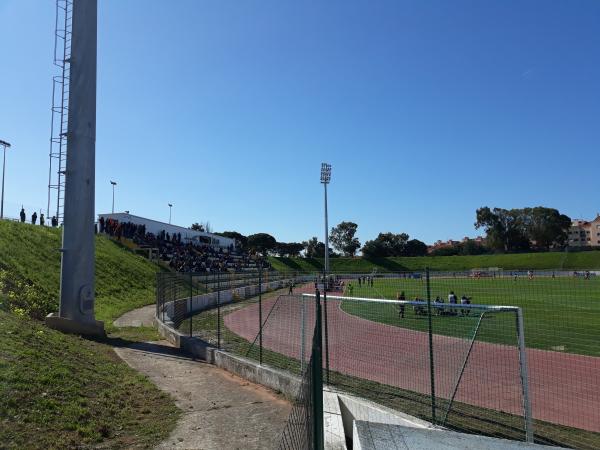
(401, 296)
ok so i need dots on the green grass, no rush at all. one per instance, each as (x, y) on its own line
(559, 314)
(62, 391)
(30, 273)
(549, 260)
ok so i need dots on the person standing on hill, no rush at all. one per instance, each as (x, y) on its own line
(34, 218)
(42, 220)
(22, 215)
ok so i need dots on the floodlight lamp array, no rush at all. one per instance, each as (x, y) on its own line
(325, 173)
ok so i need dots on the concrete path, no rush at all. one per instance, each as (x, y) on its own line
(141, 317)
(220, 410)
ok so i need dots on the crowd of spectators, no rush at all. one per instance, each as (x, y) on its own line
(180, 254)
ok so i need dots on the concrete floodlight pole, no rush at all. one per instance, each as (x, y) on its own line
(325, 179)
(76, 313)
(4, 145)
(170, 208)
(114, 183)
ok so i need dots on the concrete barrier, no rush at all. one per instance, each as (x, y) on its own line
(277, 380)
(173, 311)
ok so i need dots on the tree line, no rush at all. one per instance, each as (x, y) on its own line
(507, 231)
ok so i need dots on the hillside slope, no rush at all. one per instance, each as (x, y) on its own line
(30, 273)
(62, 391)
(524, 261)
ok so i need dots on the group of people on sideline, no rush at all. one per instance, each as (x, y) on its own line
(438, 307)
(34, 218)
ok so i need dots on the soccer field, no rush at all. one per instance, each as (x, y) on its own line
(560, 314)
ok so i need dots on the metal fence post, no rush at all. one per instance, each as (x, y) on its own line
(524, 376)
(158, 286)
(325, 286)
(260, 322)
(431, 366)
(302, 332)
(191, 315)
(317, 379)
(219, 310)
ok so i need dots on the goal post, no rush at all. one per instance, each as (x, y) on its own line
(450, 315)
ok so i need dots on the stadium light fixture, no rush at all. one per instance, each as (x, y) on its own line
(4, 145)
(325, 173)
(170, 208)
(325, 179)
(114, 183)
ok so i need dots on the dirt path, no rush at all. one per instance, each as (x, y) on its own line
(220, 410)
(141, 317)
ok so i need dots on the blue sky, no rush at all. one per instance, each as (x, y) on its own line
(426, 110)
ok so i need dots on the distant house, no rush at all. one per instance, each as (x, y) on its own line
(452, 243)
(584, 233)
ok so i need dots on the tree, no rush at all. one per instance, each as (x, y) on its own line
(288, 249)
(241, 241)
(386, 244)
(203, 227)
(505, 229)
(294, 248)
(342, 238)
(517, 229)
(261, 243)
(546, 227)
(415, 247)
(310, 247)
(313, 248)
(197, 227)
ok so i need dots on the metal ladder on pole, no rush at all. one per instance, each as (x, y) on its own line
(60, 110)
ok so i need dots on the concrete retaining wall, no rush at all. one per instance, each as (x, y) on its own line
(176, 309)
(274, 379)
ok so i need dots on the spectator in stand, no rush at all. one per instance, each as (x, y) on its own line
(34, 218)
(22, 214)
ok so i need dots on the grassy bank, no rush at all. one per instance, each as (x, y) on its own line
(61, 391)
(30, 273)
(550, 260)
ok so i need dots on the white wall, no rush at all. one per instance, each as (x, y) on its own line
(155, 227)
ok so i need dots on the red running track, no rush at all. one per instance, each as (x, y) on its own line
(565, 388)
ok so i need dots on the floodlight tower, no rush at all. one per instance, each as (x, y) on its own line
(325, 179)
(170, 208)
(77, 284)
(114, 183)
(4, 145)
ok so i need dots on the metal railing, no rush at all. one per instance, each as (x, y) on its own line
(527, 370)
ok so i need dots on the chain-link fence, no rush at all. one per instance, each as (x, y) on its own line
(438, 346)
(304, 428)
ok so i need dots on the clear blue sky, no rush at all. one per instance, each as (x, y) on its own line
(426, 110)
